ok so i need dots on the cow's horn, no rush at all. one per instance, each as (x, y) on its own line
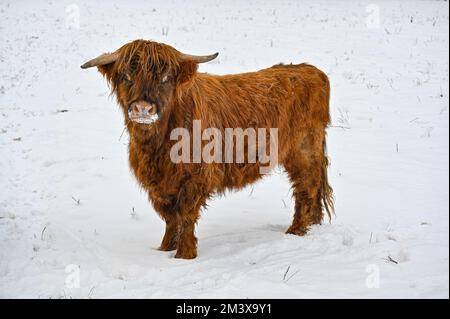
(200, 58)
(103, 59)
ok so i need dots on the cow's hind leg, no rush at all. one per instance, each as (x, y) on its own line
(307, 169)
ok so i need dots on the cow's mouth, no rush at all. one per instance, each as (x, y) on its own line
(143, 112)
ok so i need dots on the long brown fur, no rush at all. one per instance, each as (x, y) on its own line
(292, 98)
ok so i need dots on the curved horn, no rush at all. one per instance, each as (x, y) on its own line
(103, 59)
(200, 58)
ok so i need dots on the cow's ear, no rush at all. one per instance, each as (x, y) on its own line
(106, 70)
(187, 70)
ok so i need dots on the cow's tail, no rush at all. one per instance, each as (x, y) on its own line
(326, 191)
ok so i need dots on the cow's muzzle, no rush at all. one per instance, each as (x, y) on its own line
(143, 112)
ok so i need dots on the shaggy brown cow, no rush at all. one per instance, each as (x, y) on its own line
(156, 79)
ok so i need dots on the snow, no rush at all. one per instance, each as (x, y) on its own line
(70, 209)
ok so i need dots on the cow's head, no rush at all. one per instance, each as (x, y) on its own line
(146, 76)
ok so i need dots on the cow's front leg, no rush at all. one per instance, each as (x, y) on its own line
(187, 242)
(170, 239)
(164, 208)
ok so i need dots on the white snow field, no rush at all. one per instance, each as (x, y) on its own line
(75, 224)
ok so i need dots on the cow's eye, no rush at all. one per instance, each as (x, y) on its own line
(127, 78)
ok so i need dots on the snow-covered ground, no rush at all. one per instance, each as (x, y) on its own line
(69, 207)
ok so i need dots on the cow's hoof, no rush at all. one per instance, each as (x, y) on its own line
(169, 244)
(186, 254)
(167, 248)
(299, 231)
